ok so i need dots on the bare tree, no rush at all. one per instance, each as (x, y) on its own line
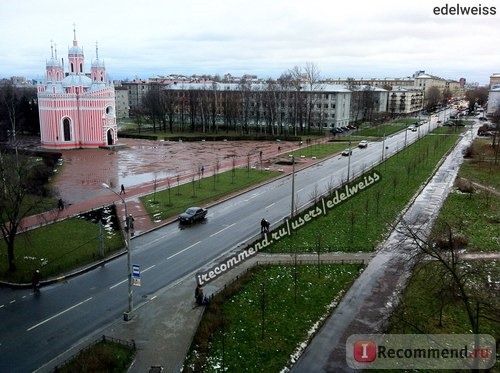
(467, 280)
(433, 97)
(19, 196)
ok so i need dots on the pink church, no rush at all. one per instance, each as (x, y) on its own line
(77, 110)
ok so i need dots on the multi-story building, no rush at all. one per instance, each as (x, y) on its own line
(405, 100)
(137, 90)
(323, 105)
(445, 86)
(494, 79)
(76, 110)
(367, 101)
(494, 99)
(122, 102)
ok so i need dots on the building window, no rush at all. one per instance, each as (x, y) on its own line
(67, 129)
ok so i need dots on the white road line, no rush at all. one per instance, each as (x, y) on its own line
(222, 230)
(12, 301)
(147, 269)
(271, 205)
(252, 196)
(59, 314)
(119, 283)
(2, 305)
(187, 248)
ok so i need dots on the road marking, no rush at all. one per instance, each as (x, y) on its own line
(187, 248)
(12, 301)
(252, 196)
(222, 230)
(119, 283)
(59, 314)
(2, 305)
(271, 205)
(147, 269)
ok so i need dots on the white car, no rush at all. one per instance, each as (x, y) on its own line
(346, 152)
(363, 144)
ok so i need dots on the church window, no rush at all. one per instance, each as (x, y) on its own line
(72, 68)
(81, 68)
(67, 129)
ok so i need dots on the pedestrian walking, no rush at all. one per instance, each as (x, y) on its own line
(264, 226)
(60, 204)
(35, 280)
(122, 189)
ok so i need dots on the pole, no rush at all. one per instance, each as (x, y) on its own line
(349, 162)
(293, 186)
(127, 315)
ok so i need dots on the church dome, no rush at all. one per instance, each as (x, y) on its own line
(98, 63)
(75, 50)
(53, 63)
(76, 80)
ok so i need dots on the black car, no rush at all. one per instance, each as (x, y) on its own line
(193, 214)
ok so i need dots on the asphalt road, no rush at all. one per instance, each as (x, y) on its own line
(37, 327)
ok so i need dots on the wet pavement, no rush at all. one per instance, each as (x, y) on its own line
(140, 165)
(141, 162)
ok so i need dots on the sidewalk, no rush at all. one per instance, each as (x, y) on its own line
(164, 326)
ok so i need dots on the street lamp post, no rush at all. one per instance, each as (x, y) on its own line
(293, 187)
(127, 315)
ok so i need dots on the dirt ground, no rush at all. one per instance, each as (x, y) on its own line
(140, 162)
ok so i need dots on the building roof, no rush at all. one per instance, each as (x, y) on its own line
(76, 80)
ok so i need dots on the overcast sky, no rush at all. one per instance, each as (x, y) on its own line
(348, 38)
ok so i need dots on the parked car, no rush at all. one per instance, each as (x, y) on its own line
(193, 214)
(412, 129)
(363, 144)
(346, 152)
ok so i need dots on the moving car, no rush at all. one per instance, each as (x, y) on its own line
(412, 129)
(363, 144)
(346, 152)
(193, 214)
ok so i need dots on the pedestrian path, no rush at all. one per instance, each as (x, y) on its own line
(164, 326)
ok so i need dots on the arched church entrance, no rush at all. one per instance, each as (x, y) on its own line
(110, 137)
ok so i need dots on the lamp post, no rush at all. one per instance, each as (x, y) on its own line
(127, 315)
(293, 186)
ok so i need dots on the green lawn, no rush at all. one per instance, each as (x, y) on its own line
(198, 192)
(381, 130)
(360, 223)
(321, 150)
(253, 332)
(57, 248)
(105, 356)
(427, 305)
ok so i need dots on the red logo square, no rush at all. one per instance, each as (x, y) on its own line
(365, 351)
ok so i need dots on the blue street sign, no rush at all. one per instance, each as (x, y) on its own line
(136, 275)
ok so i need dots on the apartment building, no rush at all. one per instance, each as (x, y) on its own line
(122, 102)
(494, 99)
(405, 100)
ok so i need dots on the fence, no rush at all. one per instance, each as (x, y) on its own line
(103, 339)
